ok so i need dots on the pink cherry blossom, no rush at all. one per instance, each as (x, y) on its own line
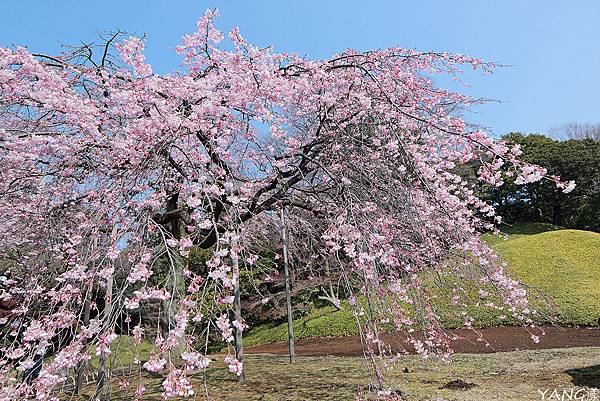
(154, 364)
(113, 174)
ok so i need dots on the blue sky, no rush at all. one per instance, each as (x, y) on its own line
(553, 47)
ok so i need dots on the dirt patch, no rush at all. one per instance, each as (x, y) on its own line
(493, 339)
(458, 385)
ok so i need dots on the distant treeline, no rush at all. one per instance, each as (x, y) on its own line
(573, 159)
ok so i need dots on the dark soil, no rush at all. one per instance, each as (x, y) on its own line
(493, 339)
(458, 385)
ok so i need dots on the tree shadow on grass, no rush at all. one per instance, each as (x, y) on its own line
(585, 377)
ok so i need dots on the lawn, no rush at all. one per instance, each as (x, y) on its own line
(565, 264)
(506, 376)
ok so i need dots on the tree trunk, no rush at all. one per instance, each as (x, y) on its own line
(288, 298)
(330, 295)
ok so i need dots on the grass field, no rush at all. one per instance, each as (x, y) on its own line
(564, 264)
(506, 376)
(560, 268)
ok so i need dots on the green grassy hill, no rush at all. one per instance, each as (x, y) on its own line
(565, 265)
(560, 268)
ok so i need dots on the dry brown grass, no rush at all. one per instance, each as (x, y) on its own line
(509, 376)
